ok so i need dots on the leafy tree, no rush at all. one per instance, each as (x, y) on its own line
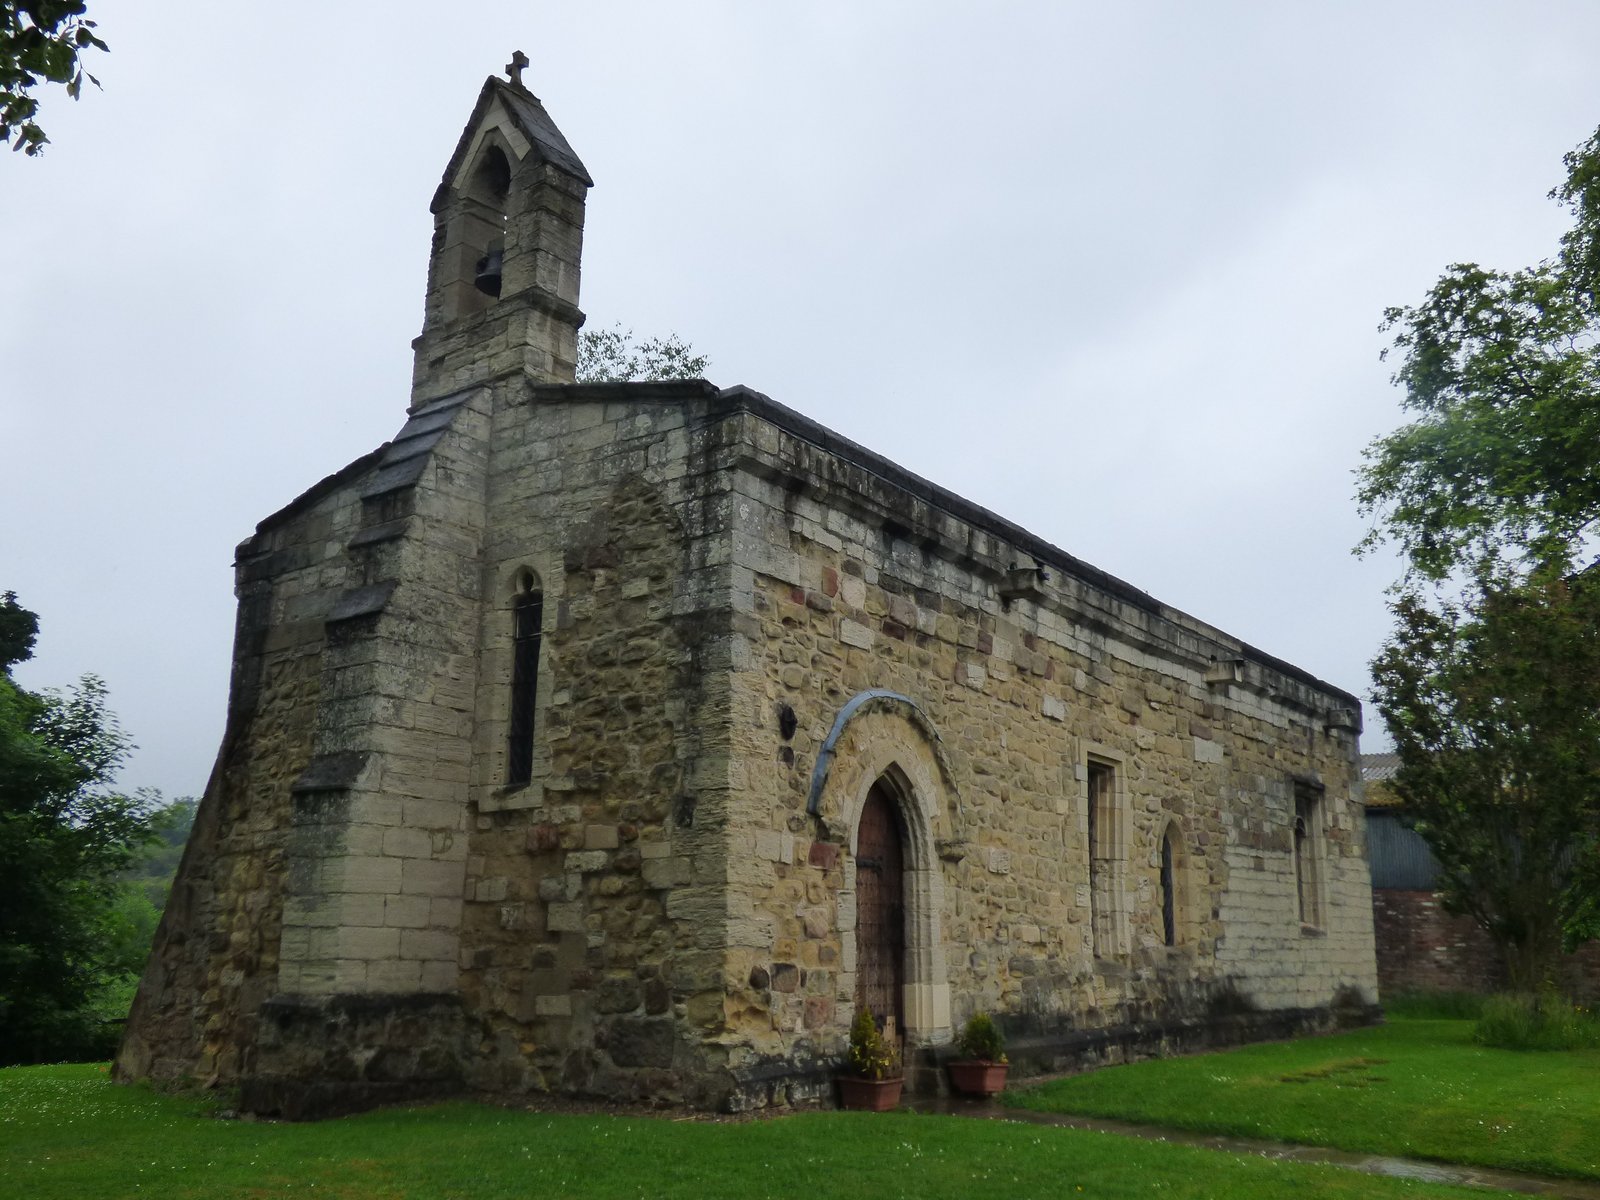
(1502, 369)
(1490, 683)
(612, 356)
(1494, 705)
(40, 41)
(65, 839)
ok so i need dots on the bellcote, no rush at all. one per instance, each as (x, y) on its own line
(504, 268)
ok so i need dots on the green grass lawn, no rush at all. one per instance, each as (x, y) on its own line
(1416, 1088)
(68, 1132)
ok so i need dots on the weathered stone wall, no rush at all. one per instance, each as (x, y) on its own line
(216, 953)
(666, 909)
(324, 888)
(748, 623)
(595, 901)
(847, 579)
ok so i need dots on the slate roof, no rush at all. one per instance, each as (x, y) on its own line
(534, 123)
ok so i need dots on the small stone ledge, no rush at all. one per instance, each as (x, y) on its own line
(330, 772)
(384, 531)
(361, 602)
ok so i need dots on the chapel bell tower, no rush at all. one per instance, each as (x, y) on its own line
(507, 243)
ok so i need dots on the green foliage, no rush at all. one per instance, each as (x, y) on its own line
(153, 870)
(872, 1056)
(1492, 494)
(41, 41)
(1494, 705)
(1540, 1021)
(613, 356)
(1502, 370)
(981, 1039)
(70, 930)
(70, 1134)
(1418, 1089)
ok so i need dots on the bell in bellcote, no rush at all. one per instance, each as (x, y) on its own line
(486, 276)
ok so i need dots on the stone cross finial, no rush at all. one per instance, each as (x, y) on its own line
(515, 67)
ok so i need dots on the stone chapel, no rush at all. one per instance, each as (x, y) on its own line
(621, 740)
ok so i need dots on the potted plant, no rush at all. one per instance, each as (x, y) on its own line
(981, 1069)
(874, 1081)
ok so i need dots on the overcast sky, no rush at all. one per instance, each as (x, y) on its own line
(1114, 271)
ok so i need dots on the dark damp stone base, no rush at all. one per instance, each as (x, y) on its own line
(326, 1056)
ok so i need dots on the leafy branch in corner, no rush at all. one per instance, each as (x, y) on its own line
(41, 41)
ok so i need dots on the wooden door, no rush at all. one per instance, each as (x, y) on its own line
(880, 909)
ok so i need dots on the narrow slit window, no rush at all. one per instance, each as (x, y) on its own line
(1169, 891)
(1308, 856)
(527, 621)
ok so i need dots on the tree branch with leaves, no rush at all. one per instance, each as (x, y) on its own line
(1490, 682)
(614, 356)
(41, 41)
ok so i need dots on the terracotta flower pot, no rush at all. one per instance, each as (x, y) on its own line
(869, 1095)
(978, 1078)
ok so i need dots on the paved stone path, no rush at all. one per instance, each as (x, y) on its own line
(1371, 1164)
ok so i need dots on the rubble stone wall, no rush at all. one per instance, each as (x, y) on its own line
(216, 954)
(849, 580)
(595, 894)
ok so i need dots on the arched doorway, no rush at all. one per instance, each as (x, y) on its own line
(881, 907)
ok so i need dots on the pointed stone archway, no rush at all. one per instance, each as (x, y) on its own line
(886, 757)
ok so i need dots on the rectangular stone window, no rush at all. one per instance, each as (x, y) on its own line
(1107, 844)
(1308, 855)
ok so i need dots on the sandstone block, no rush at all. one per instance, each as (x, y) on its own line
(667, 872)
(407, 911)
(564, 918)
(600, 837)
(362, 874)
(431, 877)
(439, 977)
(428, 944)
(553, 1006)
(823, 854)
(408, 843)
(853, 633)
(365, 942)
(394, 975)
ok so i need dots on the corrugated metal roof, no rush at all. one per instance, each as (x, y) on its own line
(1376, 768)
(1398, 856)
